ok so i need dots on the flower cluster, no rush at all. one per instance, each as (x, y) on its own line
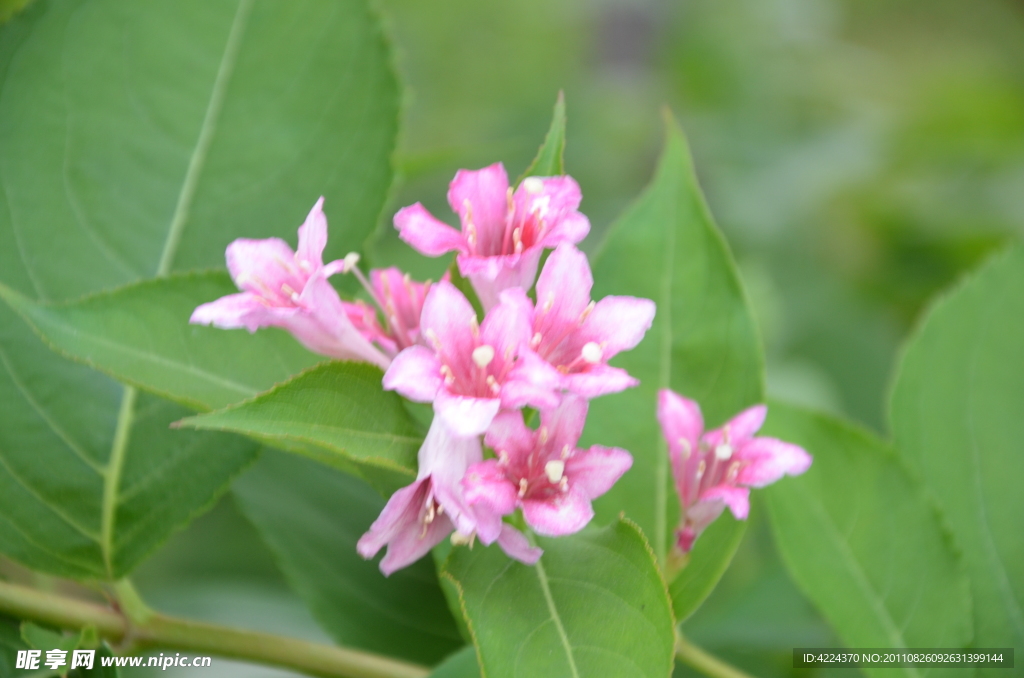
(480, 461)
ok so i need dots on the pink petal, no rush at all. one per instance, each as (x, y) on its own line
(445, 457)
(598, 380)
(566, 513)
(401, 512)
(593, 472)
(426, 234)
(480, 198)
(736, 498)
(264, 267)
(233, 311)
(487, 483)
(313, 236)
(619, 323)
(768, 459)
(558, 195)
(411, 545)
(466, 416)
(572, 228)
(507, 433)
(324, 325)
(680, 420)
(563, 290)
(533, 381)
(748, 422)
(447, 325)
(515, 544)
(491, 275)
(415, 373)
(507, 326)
(565, 422)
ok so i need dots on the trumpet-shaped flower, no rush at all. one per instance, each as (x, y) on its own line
(714, 470)
(503, 232)
(542, 471)
(400, 299)
(282, 288)
(420, 516)
(578, 336)
(471, 371)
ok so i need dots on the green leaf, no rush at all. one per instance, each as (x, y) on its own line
(139, 334)
(140, 140)
(311, 518)
(462, 664)
(863, 543)
(706, 564)
(703, 345)
(340, 410)
(594, 605)
(957, 420)
(39, 638)
(550, 159)
(10, 642)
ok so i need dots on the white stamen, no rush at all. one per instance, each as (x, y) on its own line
(587, 311)
(483, 355)
(549, 302)
(564, 484)
(701, 467)
(503, 457)
(723, 451)
(493, 384)
(533, 185)
(523, 486)
(305, 266)
(591, 352)
(542, 433)
(554, 470)
(566, 451)
(459, 539)
(351, 259)
(535, 340)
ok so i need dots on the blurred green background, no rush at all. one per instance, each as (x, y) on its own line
(860, 155)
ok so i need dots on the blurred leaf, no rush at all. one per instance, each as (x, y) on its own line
(462, 664)
(139, 334)
(98, 670)
(956, 417)
(550, 159)
(140, 140)
(10, 642)
(9, 8)
(337, 408)
(703, 344)
(39, 638)
(861, 540)
(706, 564)
(594, 605)
(311, 518)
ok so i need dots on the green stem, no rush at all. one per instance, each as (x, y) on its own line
(159, 631)
(709, 665)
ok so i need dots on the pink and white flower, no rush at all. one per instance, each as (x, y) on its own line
(420, 516)
(716, 469)
(503, 232)
(400, 299)
(472, 370)
(543, 472)
(578, 336)
(282, 288)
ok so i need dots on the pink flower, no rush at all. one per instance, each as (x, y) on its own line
(715, 469)
(419, 516)
(578, 336)
(543, 472)
(400, 299)
(503, 233)
(471, 371)
(282, 288)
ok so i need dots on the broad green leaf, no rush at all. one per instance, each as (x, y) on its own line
(139, 140)
(338, 409)
(957, 420)
(862, 541)
(462, 664)
(594, 605)
(311, 517)
(10, 642)
(550, 159)
(706, 564)
(703, 345)
(139, 334)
